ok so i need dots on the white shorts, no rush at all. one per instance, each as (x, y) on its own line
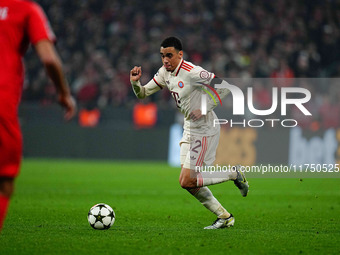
(198, 150)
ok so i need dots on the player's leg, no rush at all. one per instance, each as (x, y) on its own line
(6, 191)
(10, 159)
(192, 156)
(203, 194)
(201, 152)
(190, 179)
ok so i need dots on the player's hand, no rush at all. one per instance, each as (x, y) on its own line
(195, 115)
(69, 104)
(135, 73)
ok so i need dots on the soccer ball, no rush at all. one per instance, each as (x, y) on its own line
(101, 216)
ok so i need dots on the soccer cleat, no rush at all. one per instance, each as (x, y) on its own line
(222, 223)
(241, 181)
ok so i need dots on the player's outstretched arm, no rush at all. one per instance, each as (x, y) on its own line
(53, 65)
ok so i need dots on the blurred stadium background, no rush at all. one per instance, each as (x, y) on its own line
(100, 41)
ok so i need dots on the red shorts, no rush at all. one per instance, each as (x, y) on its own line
(10, 147)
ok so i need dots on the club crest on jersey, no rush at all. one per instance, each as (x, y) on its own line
(205, 75)
(180, 84)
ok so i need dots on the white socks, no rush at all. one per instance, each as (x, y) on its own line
(205, 196)
(206, 181)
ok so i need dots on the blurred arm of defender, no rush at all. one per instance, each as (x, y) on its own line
(53, 65)
(139, 90)
(222, 92)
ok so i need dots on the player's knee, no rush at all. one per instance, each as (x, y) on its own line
(6, 187)
(187, 183)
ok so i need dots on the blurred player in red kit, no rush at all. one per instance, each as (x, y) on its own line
(22, 23)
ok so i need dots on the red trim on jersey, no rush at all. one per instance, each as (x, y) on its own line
(157, 83)
(184, 65)
(186, 69)
(179, 67)
(187, 65)
(203, 151)
(200, 181)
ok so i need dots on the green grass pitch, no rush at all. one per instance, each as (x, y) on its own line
(48, 213)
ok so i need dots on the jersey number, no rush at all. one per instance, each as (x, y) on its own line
(197, 146)
(175, 95)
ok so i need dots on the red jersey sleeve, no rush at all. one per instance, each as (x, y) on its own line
(38, 25)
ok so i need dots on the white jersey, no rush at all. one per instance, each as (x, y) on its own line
(187, 84)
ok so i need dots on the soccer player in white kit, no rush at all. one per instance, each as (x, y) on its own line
(186, 82)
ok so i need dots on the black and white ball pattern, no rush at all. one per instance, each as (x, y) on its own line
(101, 216)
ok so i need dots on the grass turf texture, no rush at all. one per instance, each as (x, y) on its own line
(48, 213)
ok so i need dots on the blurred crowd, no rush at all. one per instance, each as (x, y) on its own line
(100, 41)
